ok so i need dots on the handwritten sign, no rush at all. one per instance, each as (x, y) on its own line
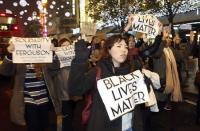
(32, 50)
(146, 24)
(88, 28)
(65, 55)
(120, 94)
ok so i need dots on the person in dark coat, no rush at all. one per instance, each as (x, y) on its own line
(82, 81)
(60, 82)
(34, 96)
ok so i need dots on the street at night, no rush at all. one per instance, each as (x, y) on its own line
(100, 65)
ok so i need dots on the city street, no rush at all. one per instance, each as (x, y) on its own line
(46, 44)
(185, 112)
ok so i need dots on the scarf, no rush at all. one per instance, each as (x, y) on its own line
(172, 78)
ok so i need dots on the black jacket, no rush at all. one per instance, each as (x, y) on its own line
(82, 81)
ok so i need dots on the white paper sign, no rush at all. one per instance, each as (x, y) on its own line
(65, 55)
(120, 94)
(146, 24)
(88, 28)
(32, 50)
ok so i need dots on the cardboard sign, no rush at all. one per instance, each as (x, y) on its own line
(120, 94)
(88, 28)
(32, 50)
(65, 55)
(146, 24)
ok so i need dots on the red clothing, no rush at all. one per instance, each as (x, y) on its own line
(133, 52)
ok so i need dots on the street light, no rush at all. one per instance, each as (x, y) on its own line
(44, 2)
(43, 18)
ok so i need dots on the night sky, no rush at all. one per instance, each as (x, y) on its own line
(25, 8)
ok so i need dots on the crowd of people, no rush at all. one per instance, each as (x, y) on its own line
(42, 88)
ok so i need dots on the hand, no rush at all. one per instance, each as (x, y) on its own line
(52, 47)
(160, 26)
(130, 19)
(165, 33)
(81, 51)
(11, 47)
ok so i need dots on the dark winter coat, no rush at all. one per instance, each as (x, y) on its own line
(81, 83)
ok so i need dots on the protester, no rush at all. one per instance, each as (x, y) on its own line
(114, 64)
(34, 95)
(95, 49)
(54, 41)
(60, 83)
(181, 57)
(136, 58)
(164, 63)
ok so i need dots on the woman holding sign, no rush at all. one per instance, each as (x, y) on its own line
(33, 92)
(60, 82)
(81, 81)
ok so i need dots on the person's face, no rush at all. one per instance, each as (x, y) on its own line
(102, 43)
(131, 42)
(119, 52)
(168, 41)
(96, 40)
(177, 40)
(66, 43)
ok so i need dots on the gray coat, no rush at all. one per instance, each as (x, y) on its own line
(61, 83)
(17, 106)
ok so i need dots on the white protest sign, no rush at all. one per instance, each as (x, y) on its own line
(65, 55)
(88, 28)
(32, 50)
(120, 94)
(146, 24)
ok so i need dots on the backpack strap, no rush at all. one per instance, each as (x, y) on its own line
(88, 99)
(98, 73)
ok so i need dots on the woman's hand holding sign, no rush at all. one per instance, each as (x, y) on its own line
(130, 21)
(11, 47)
(81, 51)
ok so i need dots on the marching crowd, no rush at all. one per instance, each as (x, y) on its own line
(45, 87)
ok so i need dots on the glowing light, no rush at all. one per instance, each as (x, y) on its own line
(51, 6)
(44, 1)
(8, 11)
(53, 2)
(21, 12)
(1, 2)
(23, 3)
(40, 6)
(67, 14)
(25, 23)
(15, 27)
(50, 23)
(15, 4)
(29, 19)
(38, 2)
(10, 20)
(62, 6)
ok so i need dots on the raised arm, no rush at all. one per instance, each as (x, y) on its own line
(129, 24)
(81, 78)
